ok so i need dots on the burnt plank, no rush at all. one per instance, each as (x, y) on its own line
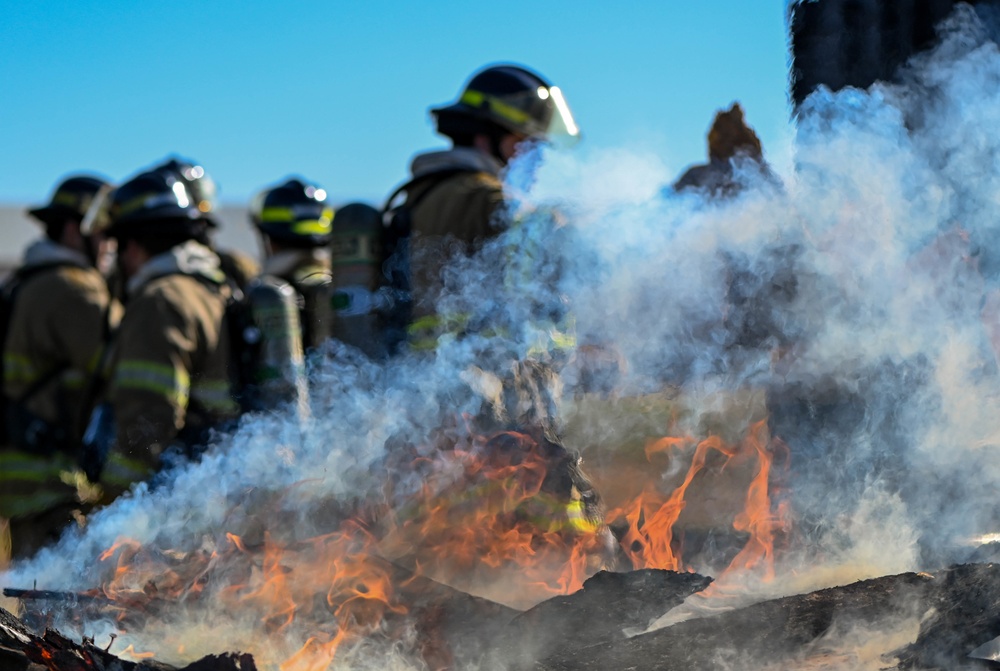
(964, 610)
(454, 627)
(768, 631)
(608, 604)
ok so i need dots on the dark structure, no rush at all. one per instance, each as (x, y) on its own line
(839, 43)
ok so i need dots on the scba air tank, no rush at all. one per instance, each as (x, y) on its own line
(356, 256)
(280, 367)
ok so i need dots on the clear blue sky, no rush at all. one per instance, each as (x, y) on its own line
(339, 91)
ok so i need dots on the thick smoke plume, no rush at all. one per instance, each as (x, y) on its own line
(861, 295)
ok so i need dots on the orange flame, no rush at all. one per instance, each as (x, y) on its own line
(649, 538)
(486, 516)
(497, 521)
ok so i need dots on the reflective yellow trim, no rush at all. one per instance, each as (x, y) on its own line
(14, 507)
(214, 395)
(577, 519)
(18, 368)
(121, 471)
(509, 112)
(423, 333)
(172, 383)
(134, 204)
(66, 198)
(312, 227)
(16, 465)
(73, 379)
(277, 214)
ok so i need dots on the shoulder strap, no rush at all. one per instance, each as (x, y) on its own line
(397, 224)
(437, 176)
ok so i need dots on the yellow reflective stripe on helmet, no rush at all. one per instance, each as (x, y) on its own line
(312, 227)
(508, 112)
(135, 204)
(172, 383)
(277, 214)
(66, 198)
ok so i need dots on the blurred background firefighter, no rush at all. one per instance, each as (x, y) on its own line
(295, 223)
(170, 368)
(735, 159)
(454, 201)
(56, 314)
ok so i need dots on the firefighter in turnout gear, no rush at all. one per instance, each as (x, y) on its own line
(57, 312)
(454, 201)
(170, 384)
(295, 222)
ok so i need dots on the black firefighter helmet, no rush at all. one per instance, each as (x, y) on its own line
(71, 200)
(294, 213)
(155, 203)
(200, 184)
(514, 99)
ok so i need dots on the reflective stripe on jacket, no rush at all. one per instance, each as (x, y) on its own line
(61, 314)
(171, 362)
(59, 320)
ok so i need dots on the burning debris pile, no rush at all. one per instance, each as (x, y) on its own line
(946, 615)
(792, 391)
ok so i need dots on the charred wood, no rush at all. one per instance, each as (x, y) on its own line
(22, 650)
(964, 613)
(454, 628)
(608, 604)
(959, 609)
(763, 633)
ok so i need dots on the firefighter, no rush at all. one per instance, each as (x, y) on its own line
(735, 157)
(454, 199)
(170, 385)
(295, 223)
(59, 312)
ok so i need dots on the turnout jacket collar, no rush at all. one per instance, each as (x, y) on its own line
(457, 158)
(46, 252)
(190, 258)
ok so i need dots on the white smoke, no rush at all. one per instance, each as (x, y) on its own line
(866, 272)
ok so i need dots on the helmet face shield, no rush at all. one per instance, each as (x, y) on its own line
(200, 186)
(562, 128)
(517, 101)
(97, 219)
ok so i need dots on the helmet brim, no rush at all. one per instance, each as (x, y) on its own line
(50, 214)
